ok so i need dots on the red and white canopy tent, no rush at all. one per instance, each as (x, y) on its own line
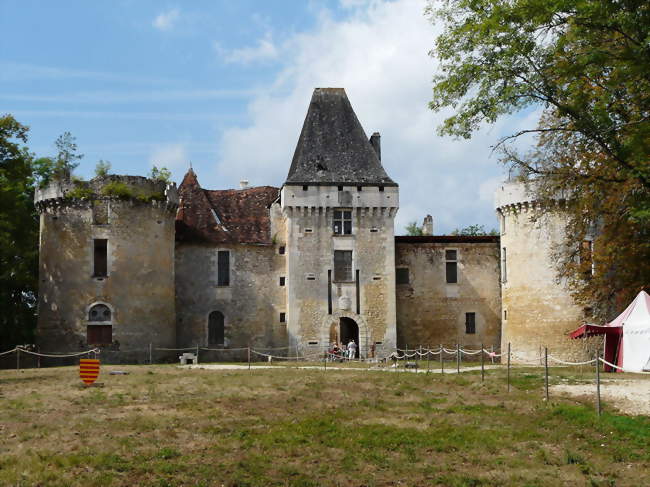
(627, 338)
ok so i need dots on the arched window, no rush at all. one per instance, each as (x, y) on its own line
(216, 328)
(99, 312)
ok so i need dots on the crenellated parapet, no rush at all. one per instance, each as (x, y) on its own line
(514, 197)
(79, 193)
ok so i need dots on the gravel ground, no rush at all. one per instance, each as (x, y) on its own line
(629, 396)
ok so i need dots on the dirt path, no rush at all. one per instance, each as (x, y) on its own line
(631, 396)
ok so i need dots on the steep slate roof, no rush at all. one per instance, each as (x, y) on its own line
(333, 148)
(223, 216)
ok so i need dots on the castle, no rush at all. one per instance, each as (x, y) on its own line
(126, 261)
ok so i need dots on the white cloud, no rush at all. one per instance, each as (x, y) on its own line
(172, 156)
(379, 55)
(264, 50)
(166, 20)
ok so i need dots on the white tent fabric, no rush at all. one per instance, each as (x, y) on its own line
(636, 333)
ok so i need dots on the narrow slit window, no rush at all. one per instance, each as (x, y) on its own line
(342, 222)
(100, 257)
(283, 317)
(451, 266)
(470, 323)
(504, 265)
(223, 268)
(282, 250)
(282, 281)
(343, 265)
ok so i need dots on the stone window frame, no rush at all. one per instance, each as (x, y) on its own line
(104, 303)
(225, 329)
(230, 267)
(93, 238)
(343, 221)
(112, 322)
(456, 261)
(408, 275)
(352, 262)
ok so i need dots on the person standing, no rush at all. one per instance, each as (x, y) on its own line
(352, 349)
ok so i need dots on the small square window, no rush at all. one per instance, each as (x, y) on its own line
(340, 188)
(359, 188)
(283, 317)
(282, 281)
(305, 188)
(282, 250)
(450, 254)
(402, 275)
(381, 189)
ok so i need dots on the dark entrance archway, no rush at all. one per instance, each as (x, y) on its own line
(349, 330)
(216, 332)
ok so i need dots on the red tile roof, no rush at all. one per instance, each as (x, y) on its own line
(224, 216)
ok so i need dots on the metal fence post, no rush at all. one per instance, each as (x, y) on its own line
(442, 360)
(17, 358)
(428, 359)
(546, 372)
(150, 354)
(458, 358)
(482, 364)
(249, 358)
(197, 353)
(598, 409)
(508, 367)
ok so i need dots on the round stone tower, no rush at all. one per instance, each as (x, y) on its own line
(106, 266)
(537, 310)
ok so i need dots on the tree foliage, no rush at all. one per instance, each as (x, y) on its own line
(474, 230)
(18, 236)
(160, 174)
(585, 65)
(102, 168)
(414, 230)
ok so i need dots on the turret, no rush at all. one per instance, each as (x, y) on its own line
(106, 266)
(537, 310)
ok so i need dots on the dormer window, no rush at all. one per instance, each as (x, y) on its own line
(342, 224)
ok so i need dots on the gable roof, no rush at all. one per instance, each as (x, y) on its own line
(333, 148)
(224, 216)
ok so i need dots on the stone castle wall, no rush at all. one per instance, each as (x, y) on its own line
(139, 287)
(538, 310)
(431, 312)
(310, 255)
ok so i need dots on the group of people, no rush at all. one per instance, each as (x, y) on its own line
(344, 351)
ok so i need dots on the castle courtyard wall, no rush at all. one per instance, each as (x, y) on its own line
(430, 311)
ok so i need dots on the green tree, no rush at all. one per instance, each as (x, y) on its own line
(585, 64)
(160, 174)
(414, 230)
(474, 230)
(18, 237)
(102, 168)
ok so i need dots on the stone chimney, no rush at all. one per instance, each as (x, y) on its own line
(375, 142)
(243, 184)
(427, 225)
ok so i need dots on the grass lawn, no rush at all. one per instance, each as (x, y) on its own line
(165, 426)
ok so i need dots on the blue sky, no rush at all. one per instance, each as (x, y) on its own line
(226, 84)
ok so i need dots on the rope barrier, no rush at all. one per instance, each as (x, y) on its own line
(467, 352)
(571, 363)
(9, 351)
(223, 349)
(95, 350)
(620, 368)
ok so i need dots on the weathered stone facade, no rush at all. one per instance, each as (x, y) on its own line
(431, 311)
(126, 262)
(537, 310)
(138, 285)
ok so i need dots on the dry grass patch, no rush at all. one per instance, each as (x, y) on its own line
(166, 426)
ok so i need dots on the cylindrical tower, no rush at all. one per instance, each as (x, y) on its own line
(537, 309)
(106, 266)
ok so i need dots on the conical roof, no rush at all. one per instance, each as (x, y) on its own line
(333, 148)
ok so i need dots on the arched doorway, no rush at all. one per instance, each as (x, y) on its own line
(216, 333)
(349, 330)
